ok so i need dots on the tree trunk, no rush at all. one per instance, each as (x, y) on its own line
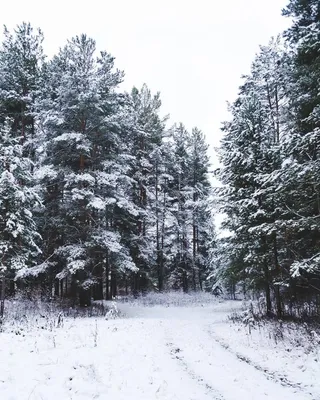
(194, 230)
(61, 288)
(160, 281)
(278, 270)
(194, 255)
(113, 284)
(84, 297)
(278, 301)
(107, 272)
(2, 296)
(267, 289)
(136, 284)
(56, 288)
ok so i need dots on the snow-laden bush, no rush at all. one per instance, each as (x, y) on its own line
(21, 314)
(113, 311)
(289, 333)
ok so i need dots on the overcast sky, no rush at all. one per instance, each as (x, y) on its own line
(193, 52)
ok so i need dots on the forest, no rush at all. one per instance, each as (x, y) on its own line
(100, 196)
(270, 156)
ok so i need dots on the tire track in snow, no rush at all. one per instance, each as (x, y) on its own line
(222, 374)
(176, 354)
(270, 375)
(155, 374)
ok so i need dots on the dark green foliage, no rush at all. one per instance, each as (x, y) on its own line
(270, 153)
(98, 176)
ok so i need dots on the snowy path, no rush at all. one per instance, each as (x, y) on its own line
(153, 353)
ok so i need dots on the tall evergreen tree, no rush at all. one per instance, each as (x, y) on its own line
(21, 63)
(252, 156)
(202, 223)
(149, 151)
(302, 144)
(188, 201)
(18, 232)
(85, 168)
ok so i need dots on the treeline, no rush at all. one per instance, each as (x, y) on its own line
(271, 172)
(97, 194)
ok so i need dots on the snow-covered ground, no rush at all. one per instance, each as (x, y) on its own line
(170, 350)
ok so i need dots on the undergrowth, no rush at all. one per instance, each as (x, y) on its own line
(21, 314)
(291, 332)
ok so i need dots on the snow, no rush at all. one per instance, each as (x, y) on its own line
(97, 203)
(180, 349)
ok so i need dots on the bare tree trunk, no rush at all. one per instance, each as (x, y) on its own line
(2, 296)
(277, 117)
(126, 282)
(107, 272)
(162, 239)
(200, 272)
(136, 284)
(160, 280)
(277, 287)
(185, 285)
(113, 284)
(278, 300)
(194, 283)
(61, 288)
(194, 231)
(267, 288)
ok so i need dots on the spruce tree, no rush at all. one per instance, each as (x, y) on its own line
(302, 144)
(21, 64)
(84, 169)
(148, 148)
(19, 238)
(202, 219)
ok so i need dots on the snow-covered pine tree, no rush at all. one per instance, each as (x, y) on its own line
(302, 146)
(271, 167)
(249, 154)
(181, 198)
(202, 219)
(150, 177)
(85, 170)
(21, 63)
(18, 232)
(238, 158)
(269, 82)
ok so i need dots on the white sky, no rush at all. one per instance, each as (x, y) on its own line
(193, 52)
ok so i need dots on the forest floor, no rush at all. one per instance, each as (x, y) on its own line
(169, 349)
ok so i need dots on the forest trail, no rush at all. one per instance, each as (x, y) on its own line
(203, 364)
(166, 353)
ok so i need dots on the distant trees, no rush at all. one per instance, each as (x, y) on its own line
(189, 199)
(97, 194)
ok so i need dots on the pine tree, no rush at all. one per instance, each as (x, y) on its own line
(302, 144)
(19, 237)
(251, 154)
(180, 194)
(85, 169)
(202, 220)
(148, 148)
(21, 63)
